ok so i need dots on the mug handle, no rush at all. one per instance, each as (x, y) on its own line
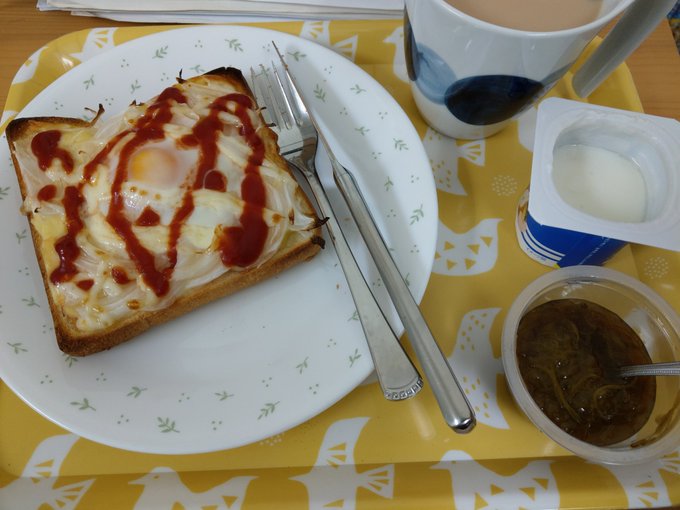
(635, 25)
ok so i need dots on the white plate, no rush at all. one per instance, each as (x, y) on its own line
(254, 364)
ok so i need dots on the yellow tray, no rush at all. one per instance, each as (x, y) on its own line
(365, 452)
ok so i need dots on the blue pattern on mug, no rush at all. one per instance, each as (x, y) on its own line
(484, 100)
(475, 100)
(430, 73)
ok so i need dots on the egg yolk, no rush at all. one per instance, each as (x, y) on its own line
(156, 167)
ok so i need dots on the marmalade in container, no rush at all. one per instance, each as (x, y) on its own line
(569, 352)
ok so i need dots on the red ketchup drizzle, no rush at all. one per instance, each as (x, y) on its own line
(215, 181)
(47, 193)
(242, 245)
(85, 284)
(239, 246)
(46, 148)
(66, 246)
(148, 218)
(148, 127)
(119, 275)
(102, 154)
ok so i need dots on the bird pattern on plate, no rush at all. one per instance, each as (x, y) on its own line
(319, 31)
(445, 155)
(162, 487)
(27, 70)
(39, 485)
(644, 485)
(97, 41)
(467, 253)
(396, 38)
(475, 486)
(476, 367)
(334, 480)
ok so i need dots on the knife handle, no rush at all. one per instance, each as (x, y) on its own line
(455, 408)
(396, 374)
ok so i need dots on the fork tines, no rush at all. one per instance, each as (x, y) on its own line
(271, 90)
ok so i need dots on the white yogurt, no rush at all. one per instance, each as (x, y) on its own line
(600, 182)
(608, 173)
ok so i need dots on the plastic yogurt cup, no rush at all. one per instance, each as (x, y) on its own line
(601, 178)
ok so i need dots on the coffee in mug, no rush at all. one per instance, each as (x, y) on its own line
(470, 74)
(532, 15)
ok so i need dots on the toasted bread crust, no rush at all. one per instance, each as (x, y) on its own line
(297, 247)
(72, 342)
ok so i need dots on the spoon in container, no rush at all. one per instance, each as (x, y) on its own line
(669, 368)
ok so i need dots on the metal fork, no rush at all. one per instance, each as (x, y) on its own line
(396, 374)
(455, 407)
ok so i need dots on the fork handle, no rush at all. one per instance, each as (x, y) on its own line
(450, 397)
(396, 374)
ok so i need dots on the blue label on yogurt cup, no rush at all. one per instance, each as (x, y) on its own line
(558, 247)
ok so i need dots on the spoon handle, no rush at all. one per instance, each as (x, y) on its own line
(670, 368)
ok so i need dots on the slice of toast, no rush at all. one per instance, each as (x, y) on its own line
(177, 202)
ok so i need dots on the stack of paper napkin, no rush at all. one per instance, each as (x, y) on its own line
(219, 11)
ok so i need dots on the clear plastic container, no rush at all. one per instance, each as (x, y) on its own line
(657, 324)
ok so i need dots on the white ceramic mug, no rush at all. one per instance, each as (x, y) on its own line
(470, 78)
